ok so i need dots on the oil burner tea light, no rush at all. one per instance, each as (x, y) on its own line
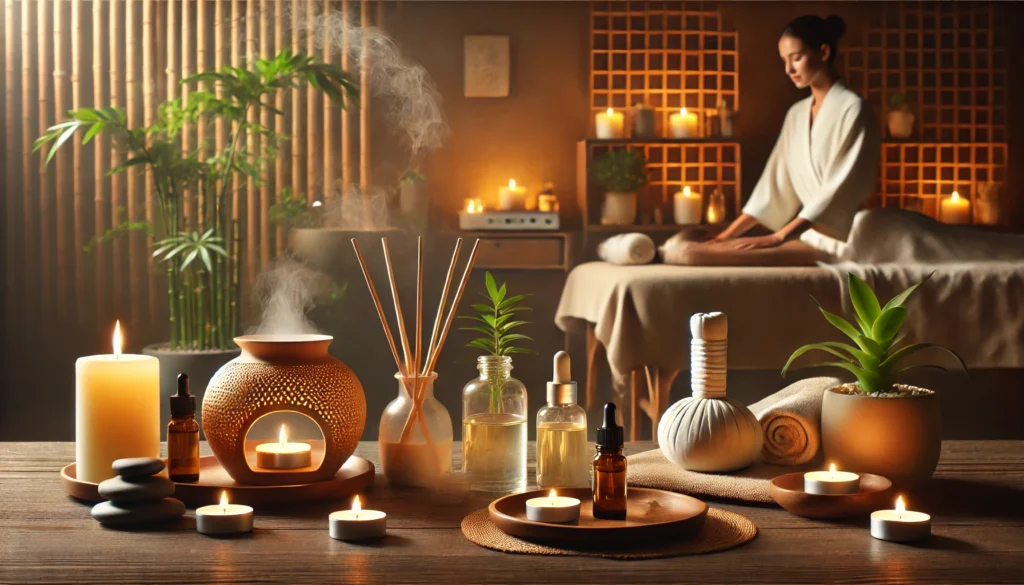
(283, 455)
(900, 525)
(224, 519)
(283, 373)
(831, 482)
(553, 508)
(358, 524)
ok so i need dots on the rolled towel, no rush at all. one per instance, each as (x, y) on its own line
(626, 249)
(791, 420)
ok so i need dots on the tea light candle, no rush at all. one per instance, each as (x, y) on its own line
(474, 206)
(609, 124)
(686, 205)
(899, 525)
(358, 524)
(511, 197)
(117, 410)
(553, 508)
(223, 518)
(955, 209)
(831, 482)
(283, 455)
(683, 124)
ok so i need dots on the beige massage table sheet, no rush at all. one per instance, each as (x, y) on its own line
(641, 313)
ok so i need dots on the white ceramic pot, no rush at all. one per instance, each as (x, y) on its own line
(901, 123)
(619, 208)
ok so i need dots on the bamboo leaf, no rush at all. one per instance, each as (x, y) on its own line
(492, 288)
(484, 344)
(513, 324)
(865, 303)
(505, 304)
(515, 337)
(481, 308)
(189, 258)
(205, 255)
(96, 128)
(477, 329)
(517, 350)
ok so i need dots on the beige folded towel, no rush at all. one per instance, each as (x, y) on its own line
(626, 249)
(791, 420)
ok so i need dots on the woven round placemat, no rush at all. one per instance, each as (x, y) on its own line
(721, 531)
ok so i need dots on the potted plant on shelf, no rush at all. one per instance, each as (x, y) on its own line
(622, 173)
(901, 118)
(201, 260)
(876, 425)
(494, 404)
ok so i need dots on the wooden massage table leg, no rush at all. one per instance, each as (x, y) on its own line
(595, 354)
(658, 385)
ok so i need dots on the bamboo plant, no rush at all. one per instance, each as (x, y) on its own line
(203, 267)
(875, 359)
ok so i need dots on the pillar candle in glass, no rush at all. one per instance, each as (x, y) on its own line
(687, 206)
(609, 124)
(683, 124)
(117, 410)
(511, 197)
(955, 209)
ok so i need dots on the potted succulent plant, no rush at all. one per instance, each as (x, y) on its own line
(901, 118)
(202, 261)
(876, 425)
(622, 173)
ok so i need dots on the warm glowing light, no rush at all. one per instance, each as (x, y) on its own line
(900, 506)
(552, 495)
(682, 112)
(832, 469)
(317, 203)
(224, 500)
(610, 111)
(955, 197)
(511, 183)
(118, 342)
(283, 436)
(355, 505)
(474, 206)
(686, 192)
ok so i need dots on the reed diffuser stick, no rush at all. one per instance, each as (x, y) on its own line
(398, 306)
(379, 307)
(417, 354)
(441, 306)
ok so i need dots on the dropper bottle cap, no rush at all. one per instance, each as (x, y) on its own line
(561, 389)
(183, 403)
(609, 434)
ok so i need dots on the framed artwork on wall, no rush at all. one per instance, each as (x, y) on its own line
(486, 66)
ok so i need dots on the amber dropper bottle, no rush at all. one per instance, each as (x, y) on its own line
(183, 436)
(609, 469)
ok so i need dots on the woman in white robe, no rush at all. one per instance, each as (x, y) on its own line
(825, 162)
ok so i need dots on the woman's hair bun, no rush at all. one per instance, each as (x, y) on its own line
(836, 26)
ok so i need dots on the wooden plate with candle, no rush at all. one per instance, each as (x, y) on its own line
(353, 477)
(651, 516)
(788, 491)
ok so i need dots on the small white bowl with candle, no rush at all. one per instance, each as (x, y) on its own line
(831, 482)
(283, 455)
(609, 124)
(900, 524)
(357, 524)
(683, 124)
(553, 509)
(224, 519)
(511, 197)
(686, 206)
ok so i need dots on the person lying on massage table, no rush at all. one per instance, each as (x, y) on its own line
(825, 161)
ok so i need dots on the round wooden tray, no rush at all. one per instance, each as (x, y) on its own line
(651, 515)
(353, 477)
(788, 491)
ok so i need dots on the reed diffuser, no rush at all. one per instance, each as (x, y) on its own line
(415, 436)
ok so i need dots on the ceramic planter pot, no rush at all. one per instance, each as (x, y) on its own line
(619, 208)
(901, 123)
(200, 367)
(898, 438)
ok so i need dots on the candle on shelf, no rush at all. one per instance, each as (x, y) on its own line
(511, 197)
(686, 205)
(358, 524)
(474, 206)
(553, 508)
(900, 525)
(683, 124)
(955, 209)
(117, 410)
(223, 518)
(831, 482)
(283, 455)
(609, 124)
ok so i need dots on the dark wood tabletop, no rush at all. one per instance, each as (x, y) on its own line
(976, 500)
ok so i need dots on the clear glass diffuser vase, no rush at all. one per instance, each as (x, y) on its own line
(494, 428)
(416, 435)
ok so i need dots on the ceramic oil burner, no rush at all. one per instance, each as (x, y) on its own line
(283, 373)
(709, 431)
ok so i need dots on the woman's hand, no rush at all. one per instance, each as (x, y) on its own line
(756, 243)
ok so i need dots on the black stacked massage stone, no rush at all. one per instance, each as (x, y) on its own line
(137, 495)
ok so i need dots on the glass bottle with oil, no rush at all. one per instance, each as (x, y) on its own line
(494, 428)
(183, 436)
(562, 459)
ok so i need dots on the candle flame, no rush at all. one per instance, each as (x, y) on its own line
(682, 112)
(224, 498)
(686, 191)
(832, 469)
(282, 436)
(955, 197)
(511, 183)
(900, 506)
(355, 505)
(552, 494)
(118, 341)
(610, 111)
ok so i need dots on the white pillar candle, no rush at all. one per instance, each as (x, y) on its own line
(900, 525)
(955, 209)
(686, 205)
(553, 508)
(224, 518)
(283, 455)
(511, 197)
(609, 124)
(683, 124)
(358, 524)
(831, 482)
(117, 410)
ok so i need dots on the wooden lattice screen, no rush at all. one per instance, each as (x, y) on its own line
(949, 59)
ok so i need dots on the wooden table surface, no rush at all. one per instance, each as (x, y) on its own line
(976, 500)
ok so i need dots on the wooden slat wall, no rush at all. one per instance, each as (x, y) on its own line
(132, 54)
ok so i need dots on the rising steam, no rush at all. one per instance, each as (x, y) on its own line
(287, 290)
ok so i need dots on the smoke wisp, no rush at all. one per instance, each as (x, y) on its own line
(287, 290)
